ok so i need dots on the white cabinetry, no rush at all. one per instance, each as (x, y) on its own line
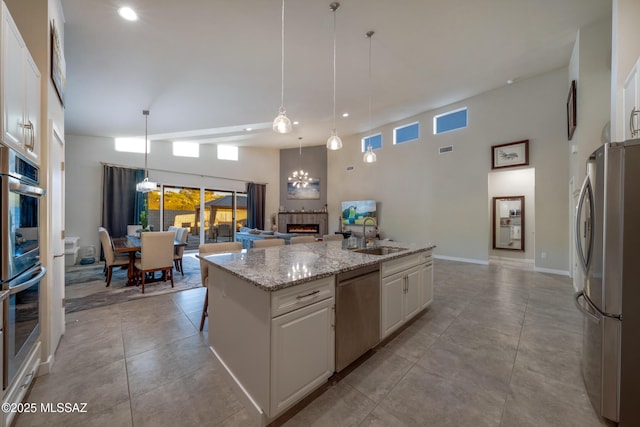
(406, 289)
(426, 271)
(20, 84)
(631, 103)
(21, 383)
(277, 346)
(302, 356)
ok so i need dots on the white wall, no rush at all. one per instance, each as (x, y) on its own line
(590, 66)
(425, 197)
(84, 155)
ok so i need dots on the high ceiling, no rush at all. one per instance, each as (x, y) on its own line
(208, 69)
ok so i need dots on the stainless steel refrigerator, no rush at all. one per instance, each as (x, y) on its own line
(608, 246)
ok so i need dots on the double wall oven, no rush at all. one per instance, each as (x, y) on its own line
(20, 269)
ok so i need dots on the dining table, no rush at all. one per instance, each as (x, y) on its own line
(131, 245)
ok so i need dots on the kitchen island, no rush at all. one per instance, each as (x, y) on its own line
(271, 313)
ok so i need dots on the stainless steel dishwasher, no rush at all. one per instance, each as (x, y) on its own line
(357, 314)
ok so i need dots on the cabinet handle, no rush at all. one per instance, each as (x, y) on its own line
(32, 133)
(634, 113)
(333, 316)
(310, 294)
(28, 381)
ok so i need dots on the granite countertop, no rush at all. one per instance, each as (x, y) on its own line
(280, 267)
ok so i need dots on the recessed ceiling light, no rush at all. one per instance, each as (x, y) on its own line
(127, 13)
(296, 123)
(248, 129)
(345, 114)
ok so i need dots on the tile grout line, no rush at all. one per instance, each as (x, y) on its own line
(126, 371)
(524, 316)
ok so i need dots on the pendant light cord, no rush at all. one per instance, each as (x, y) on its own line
(370, 35)
(146, 143)
(282, 62)
(334, 68)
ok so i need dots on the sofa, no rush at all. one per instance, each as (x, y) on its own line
(247, 236)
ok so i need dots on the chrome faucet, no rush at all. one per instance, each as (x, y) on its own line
(364, 229)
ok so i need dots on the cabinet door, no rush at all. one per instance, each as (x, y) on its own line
(392, 296)
(412, 302)
(302, 353)
(12, 82)
(630, 102)
(427, 284)
(32, 109)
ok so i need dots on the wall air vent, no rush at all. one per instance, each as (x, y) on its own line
(447, 149)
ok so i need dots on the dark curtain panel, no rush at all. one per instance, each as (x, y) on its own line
(121, 203)
(255, 205)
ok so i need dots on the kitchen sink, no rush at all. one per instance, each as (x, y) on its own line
(380, 250)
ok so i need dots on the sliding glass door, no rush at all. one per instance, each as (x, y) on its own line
(208, 215)
(224, 213)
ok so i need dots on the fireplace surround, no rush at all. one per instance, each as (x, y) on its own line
(303, 222)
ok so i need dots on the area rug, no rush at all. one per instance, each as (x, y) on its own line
(85, 285)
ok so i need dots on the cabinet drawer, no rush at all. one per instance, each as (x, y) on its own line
(289, 299)
(400, 264)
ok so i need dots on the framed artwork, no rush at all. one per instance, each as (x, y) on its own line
(510, 155)
(571, 110)
(58, 64)
(310, 192)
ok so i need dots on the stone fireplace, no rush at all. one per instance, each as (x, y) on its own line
(303, 222)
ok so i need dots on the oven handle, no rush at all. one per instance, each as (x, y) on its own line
(27, 190)
(29, 282)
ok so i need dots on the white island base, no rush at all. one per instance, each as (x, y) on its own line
(276, 347)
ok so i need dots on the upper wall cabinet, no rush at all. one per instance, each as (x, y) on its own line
(631, 103)
(20, 88)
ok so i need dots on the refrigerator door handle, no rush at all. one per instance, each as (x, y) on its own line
(591, 316)
(584, 256)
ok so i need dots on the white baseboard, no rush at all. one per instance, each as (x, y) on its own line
(468, 260)
(45, 366)
(552, 271)
(527, 264)
(253, 409)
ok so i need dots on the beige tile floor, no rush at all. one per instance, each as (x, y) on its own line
(499, 347)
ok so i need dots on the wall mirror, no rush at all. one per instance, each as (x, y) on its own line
(508, 223)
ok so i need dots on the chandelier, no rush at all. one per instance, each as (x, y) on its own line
(145, 185)
(299, 178)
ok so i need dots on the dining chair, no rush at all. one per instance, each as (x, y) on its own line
(302, 239)
(133, 230)
(182, 236)
(206, 249)
(332, 237)
(268, 242)
(110, 260)
(157, 251)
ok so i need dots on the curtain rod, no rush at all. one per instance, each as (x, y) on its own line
(184, 173)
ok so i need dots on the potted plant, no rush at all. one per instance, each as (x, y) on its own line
(144, 219)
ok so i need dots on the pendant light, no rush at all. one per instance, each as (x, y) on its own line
(299, 178)
(145, 185)
(369, 155)
(282, 124)
(334, 142)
